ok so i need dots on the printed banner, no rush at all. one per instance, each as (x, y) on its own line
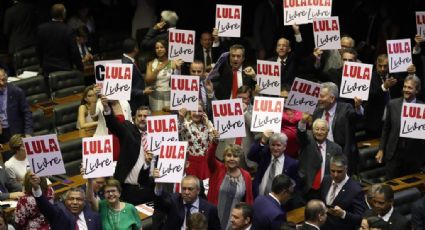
(356, 80)
(399, 55)
(161, 129)
(181, 44)
(98, 156)
(184, 92)
(228, 20)
(413, 121)
(303, 96)
(303, 11)
(420, 23)
(326, 33)
(44, 155)
(267, 114)
(171, 160)
(99, 70)
(117, 83)
(228, 117)
(268, 77)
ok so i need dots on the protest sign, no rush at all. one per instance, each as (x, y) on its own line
(99, 70)
(228, 20)
(229, 118)
(181, 44)
(399, 55)
(117, 83)
(412, 121)
(303, 11)
(171, 160)
(268, 77)
(326, 33)
(420, 23)
(267, 114)
(303, 96)
(184, 92)
(97, 156)
(355, 80)
(161, 129)
(44, 155)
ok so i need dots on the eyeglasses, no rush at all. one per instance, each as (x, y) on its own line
(111, 191)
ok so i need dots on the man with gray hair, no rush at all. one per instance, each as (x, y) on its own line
(402, 155)
(343, 196)
(269, 155)
(341, 118)
(314, 215)
(160, 30)
(315, 152)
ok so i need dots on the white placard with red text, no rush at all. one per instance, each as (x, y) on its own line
(399, 55)
(302, 11)
(355, 80)
(171, 160)
(229, 118)
(98, 156)
(99, 70)
(326, 33)
(181, 44)
(420, 23)
(267, 114)
(184, 92)
(228, 20)
(44, 155)
(117, 82)
(412, 121)
(303, 96)
(161, 129)
(268, 77)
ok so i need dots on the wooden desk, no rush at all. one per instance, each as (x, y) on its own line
(88, 70)
(295, 216)
(75, 135)
(77, 181)
(368, 143)
(401, 185)
(48, 106)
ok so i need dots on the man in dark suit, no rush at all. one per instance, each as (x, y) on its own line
(271, 162)
(20, 25)
(315, 152)
(314, 215)
(71, 215)
(15, 114)
(383, 87)
(341, 118)
(206, 89)
(232, 75)
(343, 195)
(241, 217)
(179, 206)
(56, 44)
(133, 165)
(138, 91)
(159, 30)
(268, 209)
(383, 202)
(418, 214)
(208, 50)
(402, 155)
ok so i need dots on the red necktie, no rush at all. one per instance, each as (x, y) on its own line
(238, 141)
(177, 188)
(235, 84)
(318, 178)
(327, 117)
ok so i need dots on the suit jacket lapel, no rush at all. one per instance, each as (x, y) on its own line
(341, 192)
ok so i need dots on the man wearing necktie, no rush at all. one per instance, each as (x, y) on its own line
(209, 49)
(206, 90)
(315, 153)
(72, 214)
(233, 75)
(179, 206)
(342, 118)
(343, 196)
(81, 37)
(383, 208)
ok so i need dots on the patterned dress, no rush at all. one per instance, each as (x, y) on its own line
(27, 214)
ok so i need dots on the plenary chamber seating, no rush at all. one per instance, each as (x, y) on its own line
(66, 83)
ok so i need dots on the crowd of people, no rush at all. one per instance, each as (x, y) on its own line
(237, 183)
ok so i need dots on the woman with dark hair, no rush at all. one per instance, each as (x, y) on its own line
(158, 74)
(88, 103)
(115, 215)
(229, 184)
(27, 214)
